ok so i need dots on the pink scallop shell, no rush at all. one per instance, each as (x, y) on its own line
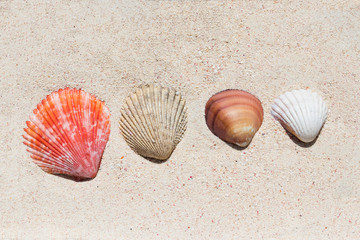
(67, 133)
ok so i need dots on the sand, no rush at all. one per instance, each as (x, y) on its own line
(277, 188)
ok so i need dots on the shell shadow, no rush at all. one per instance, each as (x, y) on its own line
(236, 147)
(157, 161)
(299, 142)
(75, 179)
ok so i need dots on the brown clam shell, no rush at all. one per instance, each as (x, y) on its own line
(234, 116)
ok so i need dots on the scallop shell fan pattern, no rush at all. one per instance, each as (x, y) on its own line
(67, 133)
(153, 121)
(301, 112)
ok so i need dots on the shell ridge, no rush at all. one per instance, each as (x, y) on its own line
(276, 115)
(48, 118)
(37, 132)
(177, 120)
(170, 121)
(303, 123)
(146, 99)
(146, 96)
(182, 128)
(167, 102)
(61, 116)
(55, 162)
(103, 128)
(85, 120)
(313, 121)
(129, 138)
(160, 143)
(129, 135)
(76, 138)
(127, 123)
(280, 114)
(57, 117)
(159, 102)
(162, 119)
(157, 111)
(140, 115)
(155, 103)
(323, 112)
(165, 143)
(81, 118)
(308, 109)
(71, 118)
(95, 148)
(83, 133)
(95, 142)
(97, 129)
(38, 146)
(173, 109)
(155, 95)
(167, 134)
(89, 145)
(324, 109)
(105, 131)
(85, 109)
(46, 157)
(49, 167)
(284, 105)
(294, 111)
(73, 101)
(134, 119)
(50, 122)
(94, 118)
(182, 125)
(70, 130)
(310, 120)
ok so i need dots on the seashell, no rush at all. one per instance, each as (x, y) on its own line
(67, 133)
(153, 121)
(234, 116)
(301, 112)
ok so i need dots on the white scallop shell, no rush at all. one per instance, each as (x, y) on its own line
(301, 112)
(153, 121)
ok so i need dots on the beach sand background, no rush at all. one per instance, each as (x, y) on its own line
(277, 188)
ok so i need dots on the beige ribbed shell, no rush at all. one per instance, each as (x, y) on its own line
(153, 121)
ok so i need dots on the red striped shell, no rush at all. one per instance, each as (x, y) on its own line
(234, 116)
(67, 133)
